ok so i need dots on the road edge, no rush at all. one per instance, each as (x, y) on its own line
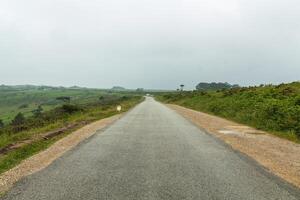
(46, 157)
(286, 184)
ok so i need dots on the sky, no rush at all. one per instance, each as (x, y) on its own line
(151, 44)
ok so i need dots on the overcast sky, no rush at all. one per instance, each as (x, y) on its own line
(149, 43)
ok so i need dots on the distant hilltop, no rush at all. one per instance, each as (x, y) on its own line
(215, 86)
(36, 87)
(118, 88)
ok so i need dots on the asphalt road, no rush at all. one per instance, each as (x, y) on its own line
(152, 153)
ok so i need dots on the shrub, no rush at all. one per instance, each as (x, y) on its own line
(64, 99)
(101, 98)
(1, 123)
(18, 123)
(18, 120)
(287, 91)
(267, 107)
(23, 106)
(124, 98)
(70, 108)
(37, 112)
(297, 101)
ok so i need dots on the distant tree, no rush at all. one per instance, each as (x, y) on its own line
(101, 98)
(124, 97)
(288, 91)
(215, 86)
(297, 101)
(181, 87)
(140, 89)
(118, 88)
(37, 112)
(23, 106)
(1, 123)
(64, 99)
(18, 120)
(69, 108)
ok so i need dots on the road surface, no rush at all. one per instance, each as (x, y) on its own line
(152, 153)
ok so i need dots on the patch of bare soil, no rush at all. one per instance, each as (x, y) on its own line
(45, 158)
(280, 156)
(44, 136)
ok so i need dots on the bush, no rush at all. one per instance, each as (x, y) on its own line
(37, 112)
(18, 123)
(23, 106)
(70, 108)
(124, 98)
(1, 123)
(267, 107)
(64, 99)
(18, 120)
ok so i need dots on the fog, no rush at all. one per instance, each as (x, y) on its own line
(149, 43)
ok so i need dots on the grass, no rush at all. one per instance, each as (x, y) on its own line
(15, 157)
(272, 108)
(25, 99)
(90, 109)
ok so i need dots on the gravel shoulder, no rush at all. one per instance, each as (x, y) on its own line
(45, 158)
(279, 156)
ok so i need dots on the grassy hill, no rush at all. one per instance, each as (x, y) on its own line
(274, 108)
(34, 131)
(26, 98)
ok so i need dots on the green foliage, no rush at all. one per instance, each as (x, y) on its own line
(13, 98)
(140, 90)
(18, 120)
(267, 107)
(1, 123)
(64, 99)
(215, 86)
(23, 106)
(70, 108)
(18, 123)
(101, 98)
(37, 112)
(109, 99)
(56, 118)
(118, 88)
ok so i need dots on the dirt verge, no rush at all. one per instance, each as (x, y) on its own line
(45, 158)
(281, 157)
(44, 136)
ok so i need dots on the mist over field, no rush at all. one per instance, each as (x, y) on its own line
(149, 43)
(149, 99)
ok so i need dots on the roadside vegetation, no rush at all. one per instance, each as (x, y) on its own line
(27, 99)
(273, 108)
(50, 115)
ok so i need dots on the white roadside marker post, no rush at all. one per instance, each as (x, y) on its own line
(119, 108)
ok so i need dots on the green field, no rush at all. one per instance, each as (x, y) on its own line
(273, 108)
(24, 99)
(85, 106)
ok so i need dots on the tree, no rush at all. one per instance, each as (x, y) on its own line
(215, 86)
(18, 120)
(140, 89)
(118, 88)
(64, 99)
(37, 112)
(181, 87)
(69, 108)
(101, 98)
(1, 123)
